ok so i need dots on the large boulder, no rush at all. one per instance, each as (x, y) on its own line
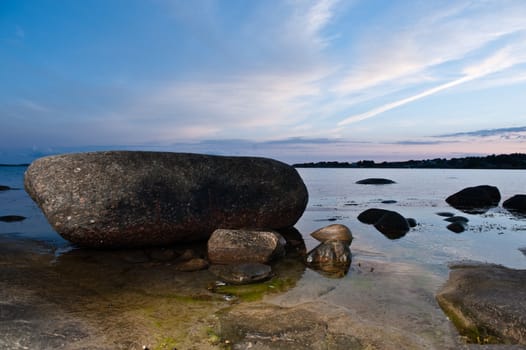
(487, 303)
(475, 200)
(123, 199)
(516, 204)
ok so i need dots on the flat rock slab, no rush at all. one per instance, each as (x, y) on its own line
(126, 199)
(487, 303)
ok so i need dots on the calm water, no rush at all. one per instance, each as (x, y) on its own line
(495, 236)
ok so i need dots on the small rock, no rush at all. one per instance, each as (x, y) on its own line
(331, 258)
(375, 181)
(244, 246)
(335, 232)
(411, 222)
(12, 218)
(389, 201)
(392, 225)
(4, 188)
(242, 273)
(445, 214)
(195, 264)
(475, 200)
(459, 219)
(516, 204)
(457, 227)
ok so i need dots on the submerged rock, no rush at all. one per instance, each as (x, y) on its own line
(12, 218)
(475, 200)
(375, 181)
(194, 264)
(244, 246)
(123, 199)
(335, 232)
(242, 273)
(516, 204)
(487, 303)
(331, 258)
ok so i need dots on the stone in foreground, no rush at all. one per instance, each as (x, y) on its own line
(335, 232)
(475, 200)
(487, 303)
(126, 199)
(330, 258)
(245, 246)
(243, 273)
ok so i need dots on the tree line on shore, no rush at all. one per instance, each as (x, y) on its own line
(501, 161)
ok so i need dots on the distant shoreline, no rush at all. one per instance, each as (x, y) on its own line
(502, 161)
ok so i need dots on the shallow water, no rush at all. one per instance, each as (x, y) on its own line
(390, 287)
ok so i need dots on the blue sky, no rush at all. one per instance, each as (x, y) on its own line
(294, 80)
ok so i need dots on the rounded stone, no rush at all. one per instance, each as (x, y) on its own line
(335, 232)
(126, 199)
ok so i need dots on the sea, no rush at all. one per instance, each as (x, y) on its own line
(496, 236)
(387, 295)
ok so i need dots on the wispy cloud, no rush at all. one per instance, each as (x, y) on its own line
(487, 132)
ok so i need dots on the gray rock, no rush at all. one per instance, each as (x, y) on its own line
(242, 273)
(375, 181)
(335, 232)
(244, 246)
(475, 200)
(487, 303)
(123, 199)
(331, 258)
(516, 204)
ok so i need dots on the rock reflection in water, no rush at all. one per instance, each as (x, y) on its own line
(330, 258)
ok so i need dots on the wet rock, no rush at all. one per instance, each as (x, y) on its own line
(487, 303)
(266, 326)
(195, 264)
(331, 258)
(295, 243)
(390, 223)
(389, 201)
(460, 219)
(457, 227)
(123, 199)
(516, 204)
(411, 222)
(335, 232)
(4, 188)
(475, 200)
(523, 250)
(371, 216)
(375, 181)
(12, 218)
(242, 273)
(243, 246)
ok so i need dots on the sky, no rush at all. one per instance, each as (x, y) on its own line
(289, 79)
